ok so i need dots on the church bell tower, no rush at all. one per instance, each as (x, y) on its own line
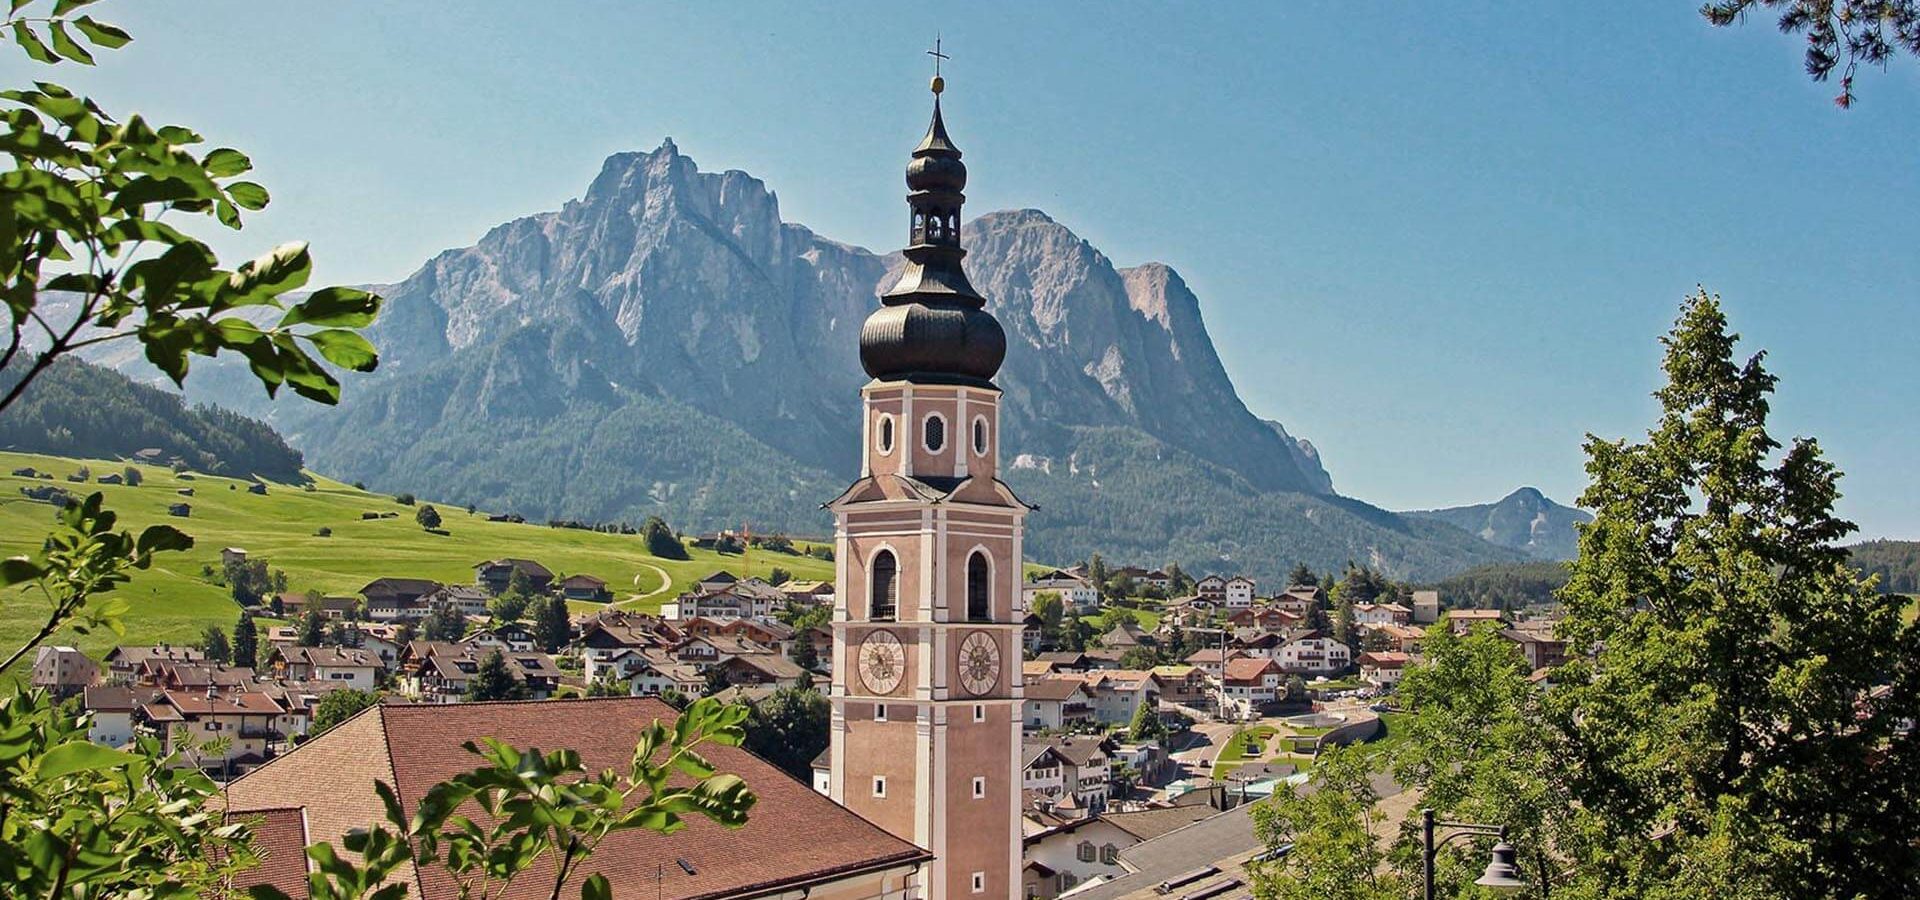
(926, 633)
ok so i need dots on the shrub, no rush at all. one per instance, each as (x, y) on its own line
(403, 499)
(324, 531)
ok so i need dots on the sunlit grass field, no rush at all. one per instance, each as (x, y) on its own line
(174, 601)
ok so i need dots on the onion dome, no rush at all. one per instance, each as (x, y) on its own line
(932, 326)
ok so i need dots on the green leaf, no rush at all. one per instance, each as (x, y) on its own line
(66, 6)
(346, 349)
(163, 539)
(79, 756)
(102, 34)
(19, 569)
(596, 887)
(247, 195)
(282, 269)
(334, 307)
(64, 44)
(226, 162)
(30, 42)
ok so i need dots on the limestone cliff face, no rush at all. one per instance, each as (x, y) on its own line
(666, 344)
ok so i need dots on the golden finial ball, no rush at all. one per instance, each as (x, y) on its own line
(939, 84)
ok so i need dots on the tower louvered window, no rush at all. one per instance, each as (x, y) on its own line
(886, 586)
(979, 590)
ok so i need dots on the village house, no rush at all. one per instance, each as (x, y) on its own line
(397, 598)
(1383, 667)
(124, 661)
(1238, 592)
(1541, 651)
(1309, 652)
(439, 672)
(1465, 620)
(1032, 633)
(1404, 638)
(352, 667)
(1080, 850)
(585, 588)
(1381, 614)
(1182, 684)
(1122, 637)
(1426, 607)
(763, 670)
(112, 707)
(1077, 594)
(809, 593)
(465, 599)
(1211, 588)
(1251, 684)
(1118, 693)
(244, 718)
(62, 671)
(509, 637)
(496, 575)
(1085, 772)
(329, 782)
(656, 672)
(1057, 704)
(1299, 599)
(1263, 618)
(609, 635)
(175, 676)
(293, 605)
(1212, 660)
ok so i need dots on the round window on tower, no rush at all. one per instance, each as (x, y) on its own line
(885, 443)
(979, 435)
(936, 432)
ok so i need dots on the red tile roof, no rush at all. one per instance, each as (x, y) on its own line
(794, 836)
(280, 845)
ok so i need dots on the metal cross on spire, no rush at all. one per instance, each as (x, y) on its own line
(937, 56)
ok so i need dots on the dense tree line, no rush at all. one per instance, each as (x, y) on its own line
(1503, 585)
(1896, 562)
(79, 409)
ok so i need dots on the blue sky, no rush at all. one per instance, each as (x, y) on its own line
(1439, 240)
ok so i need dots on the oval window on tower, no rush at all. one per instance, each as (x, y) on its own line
(936, 433)
(979, 435)
(886, 434)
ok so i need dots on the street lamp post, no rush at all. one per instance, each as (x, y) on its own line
(1501, 874)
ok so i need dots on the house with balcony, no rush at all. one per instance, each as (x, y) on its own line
(1056, 704)
(1310, 652)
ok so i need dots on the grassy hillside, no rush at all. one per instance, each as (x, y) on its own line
(174, 602)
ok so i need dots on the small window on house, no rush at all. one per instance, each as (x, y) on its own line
(979, 712)
(1085, 852)
(1110, 854)
(1068, 880)
(936, 433)
(886, 434)
(979, 882)
(980, 436)
(979, 787)
(880, 785)
(879, 712)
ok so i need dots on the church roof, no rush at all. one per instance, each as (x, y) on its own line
(927, 489)
(793, 837)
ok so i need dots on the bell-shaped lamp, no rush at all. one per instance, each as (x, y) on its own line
(1502, 875)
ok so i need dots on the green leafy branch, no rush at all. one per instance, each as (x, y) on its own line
(83, 213)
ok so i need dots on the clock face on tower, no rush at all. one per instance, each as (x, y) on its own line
(979, 663)
(882, 662)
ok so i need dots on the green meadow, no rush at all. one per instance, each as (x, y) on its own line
(175, 600)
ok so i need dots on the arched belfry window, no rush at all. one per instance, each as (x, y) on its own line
(886, 586)
(979, 588)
